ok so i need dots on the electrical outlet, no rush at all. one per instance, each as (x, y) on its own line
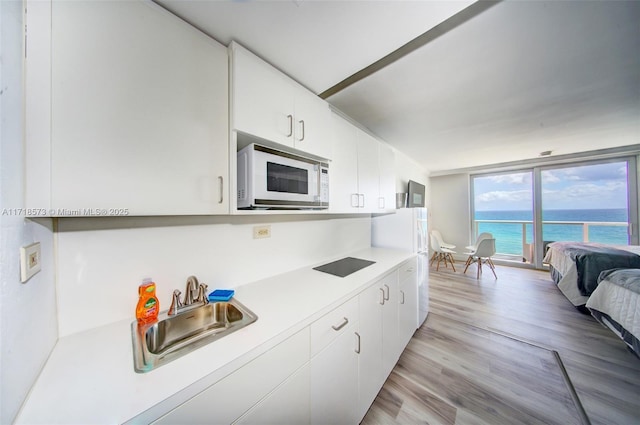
(29, 261)
(261, 232)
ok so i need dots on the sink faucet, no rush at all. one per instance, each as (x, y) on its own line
(191, 291)
(195, 295)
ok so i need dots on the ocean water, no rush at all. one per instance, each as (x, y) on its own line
(509, 235)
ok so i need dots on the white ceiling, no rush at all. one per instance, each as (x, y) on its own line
(519, 78)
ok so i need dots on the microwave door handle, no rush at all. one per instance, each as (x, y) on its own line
(318, 169)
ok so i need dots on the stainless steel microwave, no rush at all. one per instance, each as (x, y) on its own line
(268, 178)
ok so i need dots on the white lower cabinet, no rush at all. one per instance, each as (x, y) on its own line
(334, 369)
(407, 302)
(371, 375)
(228, 399)
(286, 405)
(391, 348)
(328, 373)
(378, 328)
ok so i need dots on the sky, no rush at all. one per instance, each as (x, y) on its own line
(600, 186)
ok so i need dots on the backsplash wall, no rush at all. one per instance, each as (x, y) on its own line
(101, 261)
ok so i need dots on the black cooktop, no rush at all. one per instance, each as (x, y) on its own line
(344, 267)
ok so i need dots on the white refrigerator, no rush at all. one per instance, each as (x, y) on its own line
(407, 230)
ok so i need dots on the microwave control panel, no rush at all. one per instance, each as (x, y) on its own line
(324, 184)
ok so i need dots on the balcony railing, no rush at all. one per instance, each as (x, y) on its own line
(514, 238)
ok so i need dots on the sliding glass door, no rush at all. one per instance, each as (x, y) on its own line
(528, 209)
(503, 206)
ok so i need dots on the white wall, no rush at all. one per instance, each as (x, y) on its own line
(101, 262)
(28, 323)
(450, 211)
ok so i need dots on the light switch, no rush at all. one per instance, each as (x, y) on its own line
(29, 261)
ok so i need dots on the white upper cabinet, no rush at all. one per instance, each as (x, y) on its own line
(261, 98)
(127, 111)
(312, 125)
(269, 105)
(386, 166)
(343, 169)
(368, 173)
(362, 171)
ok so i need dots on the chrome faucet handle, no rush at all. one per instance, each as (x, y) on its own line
(175, 303)
(191, 292)
(202, 294)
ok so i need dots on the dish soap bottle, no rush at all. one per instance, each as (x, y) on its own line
(148, 305)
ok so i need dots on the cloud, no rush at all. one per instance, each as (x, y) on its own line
(592, 173)
(515, 178)
(549, 177)
(505, 196)
(577, 187)
(593, 190)
(587, 195)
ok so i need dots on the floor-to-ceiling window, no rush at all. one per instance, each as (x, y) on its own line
(503, 206)
(527, 209)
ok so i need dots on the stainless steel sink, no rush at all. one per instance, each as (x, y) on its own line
(171, 337)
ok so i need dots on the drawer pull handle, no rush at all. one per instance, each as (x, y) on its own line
(386, 297)
(402, 292)
(341, 325)
(358, 347)
(382, 297)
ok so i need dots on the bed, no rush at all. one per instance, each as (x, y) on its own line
(576, 266)
(616, 304)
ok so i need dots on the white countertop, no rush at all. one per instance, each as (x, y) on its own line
(89, 377)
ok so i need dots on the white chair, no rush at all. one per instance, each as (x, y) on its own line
(486, 249)
(481, 236)
(443, 244)
(440, 253)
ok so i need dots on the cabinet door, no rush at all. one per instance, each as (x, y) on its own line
(387, 186)
(408, 308)
(343, 170)
(138, 121)
(286, 405)
(368, 177)
(229, 398)
(334, 381)
(371, 375)
(391, 349)
(262, 98)
(312, 124)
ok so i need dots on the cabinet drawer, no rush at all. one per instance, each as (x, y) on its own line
(408, 269)
(332, 325)
(221, 403)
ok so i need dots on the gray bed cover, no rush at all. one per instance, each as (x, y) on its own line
(592, 259)
(626, 278)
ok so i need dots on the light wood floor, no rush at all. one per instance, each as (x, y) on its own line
(452, 371)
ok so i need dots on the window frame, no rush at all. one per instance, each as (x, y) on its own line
(536, 171)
